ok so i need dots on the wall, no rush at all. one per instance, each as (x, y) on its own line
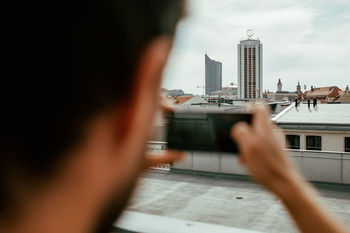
(329, 165)
(317, 166)
(331, 141)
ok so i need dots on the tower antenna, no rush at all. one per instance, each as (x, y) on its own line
(250, 33)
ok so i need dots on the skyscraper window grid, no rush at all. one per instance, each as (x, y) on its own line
(213, 75)
(250, 78)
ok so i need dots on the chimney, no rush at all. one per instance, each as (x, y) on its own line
(312, 88)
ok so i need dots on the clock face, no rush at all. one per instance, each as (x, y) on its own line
(250, 33)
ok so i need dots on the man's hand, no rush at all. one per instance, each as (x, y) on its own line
(264, 157)
(262, 152)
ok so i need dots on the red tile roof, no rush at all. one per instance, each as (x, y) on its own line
(332, 91)
(178, 100)
(345, 96)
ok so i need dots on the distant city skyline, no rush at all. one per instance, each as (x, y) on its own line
(305, 41)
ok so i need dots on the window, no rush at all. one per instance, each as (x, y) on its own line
(347, 144)
(313, 142)
(293, 141)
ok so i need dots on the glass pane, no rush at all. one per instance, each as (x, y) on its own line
(293, 141)
(313, 143)
(347, 144)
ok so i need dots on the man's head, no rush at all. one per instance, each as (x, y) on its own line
(77, 105)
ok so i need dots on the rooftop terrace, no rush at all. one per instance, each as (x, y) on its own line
(337, 114)
(230, 201)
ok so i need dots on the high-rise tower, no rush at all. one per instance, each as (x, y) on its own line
(213, 75)
(250, 67)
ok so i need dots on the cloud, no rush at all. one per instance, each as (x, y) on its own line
(304, 40)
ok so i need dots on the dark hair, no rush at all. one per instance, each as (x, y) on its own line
(66, 61)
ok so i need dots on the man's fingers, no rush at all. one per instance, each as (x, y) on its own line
(261, 122)
(153, 160)
(242, 134)
(279, 135)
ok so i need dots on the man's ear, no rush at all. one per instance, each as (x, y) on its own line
(141, 107)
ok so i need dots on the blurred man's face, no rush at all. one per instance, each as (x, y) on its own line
(114, 207)
(134, 130)
(92, 188)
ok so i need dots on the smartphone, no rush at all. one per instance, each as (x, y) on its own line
(200, 131)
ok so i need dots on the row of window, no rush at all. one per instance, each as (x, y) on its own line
(312, 142)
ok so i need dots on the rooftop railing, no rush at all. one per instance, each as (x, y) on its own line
(319, 166)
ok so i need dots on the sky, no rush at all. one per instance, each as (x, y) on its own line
(303, 40)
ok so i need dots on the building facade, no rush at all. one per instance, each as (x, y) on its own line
(213, 75)
(230, 90)
(324, 128)
(250, 69)
(279, 85)
(345, 97)
(323, 94)
(281, 95)
(299, 88)
(173, 93)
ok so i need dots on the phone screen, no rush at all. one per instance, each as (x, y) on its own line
(189, 131)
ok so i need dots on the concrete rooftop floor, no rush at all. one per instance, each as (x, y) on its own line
(225, 200)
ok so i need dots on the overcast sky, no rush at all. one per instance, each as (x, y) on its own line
(303, 40)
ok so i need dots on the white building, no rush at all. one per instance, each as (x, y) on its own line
(230, 90)
(324, 128)
(319, 143)
(250, 68)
